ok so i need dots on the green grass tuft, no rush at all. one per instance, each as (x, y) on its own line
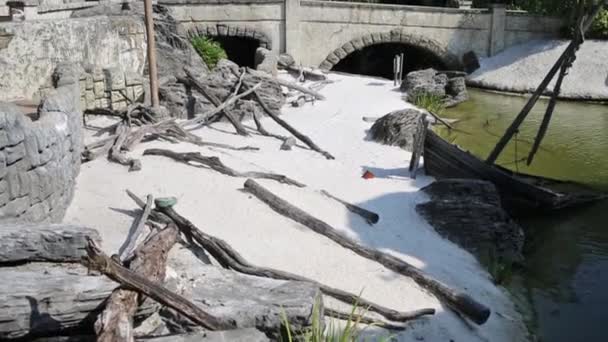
(209, 50)
(430, 102)
(318, 332)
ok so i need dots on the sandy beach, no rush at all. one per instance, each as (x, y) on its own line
(215, 203)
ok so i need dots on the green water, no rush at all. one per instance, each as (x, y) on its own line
(563, 287)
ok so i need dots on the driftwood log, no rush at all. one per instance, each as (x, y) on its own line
(44, 299)
(459, 301)
(228, 257)
(369, 216)
(289, 128)
(97, 260)
(240, 129)
(214, 163)
(140, 223)
(418, 147)
(54, 242)
(286, 84)
(115, 323)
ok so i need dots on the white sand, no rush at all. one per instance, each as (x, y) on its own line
(214, 203)
(522, 68)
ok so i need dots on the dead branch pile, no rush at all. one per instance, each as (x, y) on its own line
(139, 123)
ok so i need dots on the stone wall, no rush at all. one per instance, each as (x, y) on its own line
(30, 50)
(106, 88)
(39, 160)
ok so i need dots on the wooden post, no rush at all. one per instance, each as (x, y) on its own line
(570, 49)
(401, 68)
(395, 71)
(151, 53)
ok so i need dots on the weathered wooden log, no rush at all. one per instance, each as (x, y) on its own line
(230, 258)
(290, 129)
(97, 260)
(45, 299)
(56, 243)
(287, 84)
(116, 153)
(240, 129)
(130, 244)
(460, 301)
(216, 164)
(369, 216)
(115, 323)
(236, 335)
(418, 147)
(263, 131)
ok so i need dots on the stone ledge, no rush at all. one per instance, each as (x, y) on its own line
(409, 8)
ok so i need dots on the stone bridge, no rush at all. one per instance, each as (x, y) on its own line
(321, 33)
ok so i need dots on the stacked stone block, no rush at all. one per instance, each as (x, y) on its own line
(40, 160)
(110, 88)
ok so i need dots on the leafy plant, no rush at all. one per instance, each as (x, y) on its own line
(599, 29)
(431, 102)
(318, 332)
(209, 50)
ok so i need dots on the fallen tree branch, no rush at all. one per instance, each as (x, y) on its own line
(230, 258)
(362, 319)
(141, 223)
(218, 105)
(462, 302)
(286, 84)
(289, 128)
(99, 261)
(370, 217)
(216, 164)
(114, 323)
(116, 153)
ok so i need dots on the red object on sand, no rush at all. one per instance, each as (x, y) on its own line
(368, 175)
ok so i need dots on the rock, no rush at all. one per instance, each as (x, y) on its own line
(426, 81)
(469, 213)
(266, 61)
(456, 91)
(448, 85)
(470, 62)
(285, 61)
(397, 128)
(288, 144)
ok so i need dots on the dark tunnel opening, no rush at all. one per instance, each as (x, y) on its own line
(240, 50)
(377, 60)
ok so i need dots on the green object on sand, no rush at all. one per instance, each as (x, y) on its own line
(165, 202)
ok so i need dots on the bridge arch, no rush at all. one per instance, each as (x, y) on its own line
(397, 36)
(240, 42)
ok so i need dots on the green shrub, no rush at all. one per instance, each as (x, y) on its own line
(209, 50)
(599, 29)
(432, 103)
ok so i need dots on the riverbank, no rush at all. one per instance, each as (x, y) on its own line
(520, 69)
(214, 203)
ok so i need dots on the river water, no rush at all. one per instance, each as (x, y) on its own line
(563, 288)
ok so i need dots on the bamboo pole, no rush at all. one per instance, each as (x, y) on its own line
(152, 70)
